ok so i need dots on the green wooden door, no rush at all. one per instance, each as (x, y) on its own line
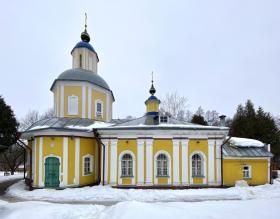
(52, 172)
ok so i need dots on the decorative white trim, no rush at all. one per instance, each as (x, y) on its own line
(89, 102)
(106, 172)
(245, 158)
(268, 170)
(83, 101)
(149, 162)
(90, 156)
(133, 167)
(107, 108)
(204, 160)
(57, 101)
(102, 109)
(113, 167)
(59, 174)
(169, 171)
(185, 173)
(61, 100)
(34, 162)
(77, 161)
(41, 162)
(140, 161)
(218, 162)
(65, 162)
(176, 159)
(211, 163)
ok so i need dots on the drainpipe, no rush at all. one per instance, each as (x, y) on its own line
(222, 175)
(22, 144)
(97, 137)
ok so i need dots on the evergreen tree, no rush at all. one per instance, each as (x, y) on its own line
(260, 125)
(8, 124)
(198, 119)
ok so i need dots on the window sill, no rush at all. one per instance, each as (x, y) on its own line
(162, 176)
(247, 178)
(127, 176)
(198, 176)
(87, 174)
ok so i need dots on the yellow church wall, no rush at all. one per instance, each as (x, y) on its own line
(199, 145)
(130, 145)
(167, 146)
(52, 146)
(71, 160)
(87, 146)
(76, 91)
(233, 171)
(97, 95)
(152, 106)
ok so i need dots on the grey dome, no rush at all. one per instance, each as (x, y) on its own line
(79, 74)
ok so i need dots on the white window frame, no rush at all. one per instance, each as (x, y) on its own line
(195, 164)
(127, 166)
(73, 105)
(162, 166)
(249, 171)
(90, 173)
(99, 114)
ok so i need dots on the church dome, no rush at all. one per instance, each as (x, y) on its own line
(78, 74)
(84, 44)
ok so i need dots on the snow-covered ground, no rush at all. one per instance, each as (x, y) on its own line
(107, 194)
(256, 209)
(11, 177)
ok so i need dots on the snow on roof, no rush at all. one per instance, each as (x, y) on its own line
(245, 142)
(95, 125)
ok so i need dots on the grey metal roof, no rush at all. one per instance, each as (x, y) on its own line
(140, 123)
(79, 74)
(233, 151)
(60, 123)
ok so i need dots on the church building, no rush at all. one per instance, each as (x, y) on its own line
(83, 145)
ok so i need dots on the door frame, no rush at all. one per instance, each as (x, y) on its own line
(59, 169)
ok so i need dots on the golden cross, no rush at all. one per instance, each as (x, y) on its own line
(86, 20)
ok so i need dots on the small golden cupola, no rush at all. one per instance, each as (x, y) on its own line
(152, 107)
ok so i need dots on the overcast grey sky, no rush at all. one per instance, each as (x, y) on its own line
(216, 53)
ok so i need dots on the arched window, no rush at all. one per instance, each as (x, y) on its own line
(197, 166)
(162, 165)
(127, 166)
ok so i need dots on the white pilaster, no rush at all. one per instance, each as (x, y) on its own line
(149, 162)
(34, 161)
(83, 101)
(211, 162)
(65, 162)
(77, 161)
(41, 162)
(218, 162)
(185, 174)
(105, 167)
(268, 170)
(114, 162)
(61, 100)
(89, 102)
(140, 161)
(176, 168)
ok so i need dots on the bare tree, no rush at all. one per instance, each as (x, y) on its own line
(175, 105)
(200, 111)
(212, 117)
(13, 157)
(33, 116)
